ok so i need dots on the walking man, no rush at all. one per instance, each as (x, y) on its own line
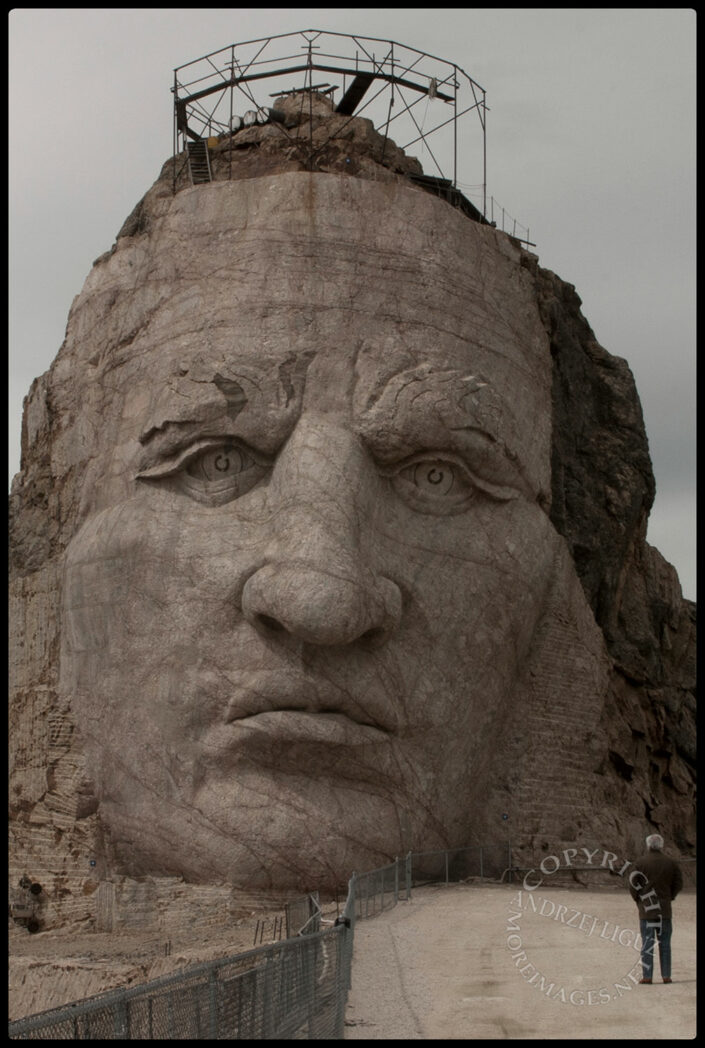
(660, 879)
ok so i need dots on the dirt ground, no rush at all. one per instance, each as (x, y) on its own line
(478, 961)
(465, 961)
(52, 968)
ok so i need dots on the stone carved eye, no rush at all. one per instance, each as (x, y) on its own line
(431, 484)
(217, 475)
(219, 464)
(435, 478)
(211, 473)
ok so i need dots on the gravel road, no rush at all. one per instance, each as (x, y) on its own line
(448, 964)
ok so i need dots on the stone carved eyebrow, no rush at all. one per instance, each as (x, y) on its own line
(426, 409)
(182, 411)
(233, 393)
(259, 406)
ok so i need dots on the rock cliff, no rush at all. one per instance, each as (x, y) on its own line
(603, 489)
(643, 761)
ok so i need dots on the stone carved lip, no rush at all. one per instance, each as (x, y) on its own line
(300, 705)
(301, 726)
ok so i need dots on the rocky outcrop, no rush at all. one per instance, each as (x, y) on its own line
(318, 141)
(603, 489)
(634, 735)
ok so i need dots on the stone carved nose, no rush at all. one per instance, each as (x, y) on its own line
(319, 607)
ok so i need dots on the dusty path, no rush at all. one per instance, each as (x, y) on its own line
(449, 965)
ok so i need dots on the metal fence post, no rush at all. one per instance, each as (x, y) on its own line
(446, 854)
(121, 1031)
(396, 879)
(213, 1004)
(408, 876)
(170, 1016)
(341, 985)
(267, 1009)
(481, 868)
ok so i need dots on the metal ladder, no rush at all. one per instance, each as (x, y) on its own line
(199, 164)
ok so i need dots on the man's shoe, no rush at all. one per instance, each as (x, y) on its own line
(667, 979)
(646, 981)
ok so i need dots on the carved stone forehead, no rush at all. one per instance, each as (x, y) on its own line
(347, 287)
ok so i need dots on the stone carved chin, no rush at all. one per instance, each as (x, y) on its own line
(315, 553)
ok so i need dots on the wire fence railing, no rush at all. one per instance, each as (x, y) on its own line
(488, 862)
(303, 916)
(495, 214)
(293, 989)
(501, 219)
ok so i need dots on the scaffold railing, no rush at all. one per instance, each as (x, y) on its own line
(421, 100)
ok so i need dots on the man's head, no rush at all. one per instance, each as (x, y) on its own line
(315, 549)
(654, 842)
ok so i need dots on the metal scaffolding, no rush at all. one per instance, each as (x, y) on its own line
(417, 97)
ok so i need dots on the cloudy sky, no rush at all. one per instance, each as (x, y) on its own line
(590, 143)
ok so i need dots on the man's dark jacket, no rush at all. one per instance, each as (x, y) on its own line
(664, 877)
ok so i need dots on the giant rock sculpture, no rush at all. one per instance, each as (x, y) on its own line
(329, 544)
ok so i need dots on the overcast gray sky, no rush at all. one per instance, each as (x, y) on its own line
(590, 143)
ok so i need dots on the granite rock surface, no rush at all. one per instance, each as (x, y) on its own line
(329, 543)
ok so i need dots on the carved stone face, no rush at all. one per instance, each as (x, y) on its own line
(316, 547)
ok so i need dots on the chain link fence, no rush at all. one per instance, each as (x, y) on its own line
(303, 916)
(488, 862)
(378, 890)
(295, 989)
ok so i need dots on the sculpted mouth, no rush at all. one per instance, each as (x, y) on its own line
(269, 698)
(324, 727)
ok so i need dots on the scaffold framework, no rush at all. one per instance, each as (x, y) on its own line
(421, 100)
